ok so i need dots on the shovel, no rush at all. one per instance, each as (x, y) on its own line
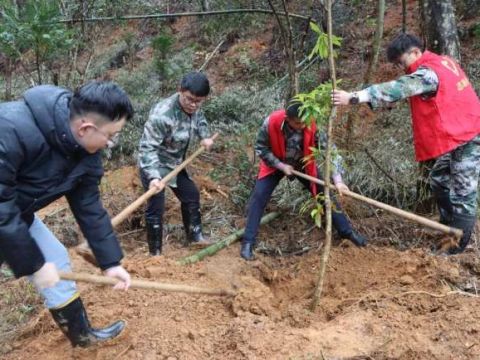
(143, 284)
(402, 213)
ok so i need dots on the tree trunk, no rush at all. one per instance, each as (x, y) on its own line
(8, 78)
(37, 64)
(404, 16)
(286, 33)
(440, 27)
(292, 56)
(328, 203)
(205, 5)
(377, 41)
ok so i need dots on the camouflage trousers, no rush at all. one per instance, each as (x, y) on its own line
(455, 176)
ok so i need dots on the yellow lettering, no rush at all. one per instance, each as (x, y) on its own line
(462, 84)
(450, 65)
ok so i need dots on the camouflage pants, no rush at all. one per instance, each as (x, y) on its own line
(456, 175)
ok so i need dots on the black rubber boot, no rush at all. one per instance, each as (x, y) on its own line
(357, 239)
(445, 207)
(186, 222)
(466, 223)
(73, 321)
(154, 238)
(192, 222)
(341, 223)
(246, 251)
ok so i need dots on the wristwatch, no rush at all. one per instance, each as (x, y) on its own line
(354, 100)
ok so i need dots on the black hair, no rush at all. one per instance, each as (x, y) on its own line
(103, 98)
(195, 82)
(401, 44)
(293, 110)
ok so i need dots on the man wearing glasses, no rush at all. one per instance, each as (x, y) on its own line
(446, 126)
(50, 144)
(171, 125)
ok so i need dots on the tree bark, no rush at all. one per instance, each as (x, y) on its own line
(213, 249)
(287, 38)
(440, 27)
(204, 4)
(38, 65)
(328, 203)
(8, 78)
(377, 41)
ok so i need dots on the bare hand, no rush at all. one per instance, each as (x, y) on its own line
(207, 143)
(287, 169)
(47, 276)
(157, 183)
(118, 272)
(340, 97)
(341, 188)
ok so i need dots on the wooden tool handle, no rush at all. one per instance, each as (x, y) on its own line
(143, 284)
(125, 213)
(402, 213)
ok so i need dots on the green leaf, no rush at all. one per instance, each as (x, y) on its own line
(315, 27)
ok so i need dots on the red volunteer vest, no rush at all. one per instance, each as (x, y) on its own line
(451, 117)
(278, 144)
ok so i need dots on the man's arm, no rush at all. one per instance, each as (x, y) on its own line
(155, 131)
(423, 81)
(17, 246)
(203, 131)
(95, 222)
(263, 147)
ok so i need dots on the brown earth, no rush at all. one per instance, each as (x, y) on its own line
(378, 302)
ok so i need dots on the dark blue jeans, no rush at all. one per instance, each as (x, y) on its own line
(186, 192)
(261, 195)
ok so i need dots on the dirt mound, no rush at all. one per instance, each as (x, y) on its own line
(377, 302)
(256, 298)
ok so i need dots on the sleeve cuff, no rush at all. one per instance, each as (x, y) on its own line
(337, 179)
(108, 266)
(364, 96)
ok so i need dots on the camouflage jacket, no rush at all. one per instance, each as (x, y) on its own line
(423, 82)
(293, 149)
(166, 136)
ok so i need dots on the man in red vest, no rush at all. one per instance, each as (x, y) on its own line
(282, 143)
(446, 126)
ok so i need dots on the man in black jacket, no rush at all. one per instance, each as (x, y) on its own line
(50, 144)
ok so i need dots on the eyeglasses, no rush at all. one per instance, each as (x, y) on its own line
(112, 140)
(401, 60)
(194, 100)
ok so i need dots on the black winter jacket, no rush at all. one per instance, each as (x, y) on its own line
(40, 161)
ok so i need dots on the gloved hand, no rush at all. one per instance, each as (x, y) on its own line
(287, 169)
(120, 273)
(47, 276)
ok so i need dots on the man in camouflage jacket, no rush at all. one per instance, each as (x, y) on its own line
(446, 126)
(171, 125)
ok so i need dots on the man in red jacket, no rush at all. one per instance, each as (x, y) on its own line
(282, 143)
(446, 126)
